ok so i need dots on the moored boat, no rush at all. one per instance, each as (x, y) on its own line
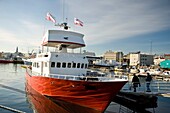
(27, 63)
(5, 61)
(64, 75)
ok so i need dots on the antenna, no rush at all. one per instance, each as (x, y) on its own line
(63, 10)
(151, 48)
(64, 25)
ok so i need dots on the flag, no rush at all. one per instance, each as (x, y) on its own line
(78, 22)
(50, 18)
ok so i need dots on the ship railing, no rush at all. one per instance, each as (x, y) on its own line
(87, 78)
(158, 87)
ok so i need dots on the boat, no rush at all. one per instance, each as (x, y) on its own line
(5, 61)
(27, 63)
(64, 75)
(18, 60)
(165, 95)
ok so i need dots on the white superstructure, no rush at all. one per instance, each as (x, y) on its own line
(60, 61)
(54, 38)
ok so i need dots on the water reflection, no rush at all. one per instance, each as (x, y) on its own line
(43, 104)
(15, 67)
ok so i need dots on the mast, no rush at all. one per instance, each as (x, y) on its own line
(63, 10)
(151, 47)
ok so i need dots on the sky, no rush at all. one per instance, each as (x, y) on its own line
(117, 25)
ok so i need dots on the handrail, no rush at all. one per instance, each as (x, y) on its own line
(155, 87)
(96, 78)
(89, 76)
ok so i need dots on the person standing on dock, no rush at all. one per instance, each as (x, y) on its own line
(148, 81)
(135, 81)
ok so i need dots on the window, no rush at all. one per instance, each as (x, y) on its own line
(85, 65)
(45, 64)
(78, 65)
(69, 65)
(58, 64)
(38, 65)
(52, 64)
(82, 65)
(64, 65)
(74, 65)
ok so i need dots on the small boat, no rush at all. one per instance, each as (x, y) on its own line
(64, 75)
(18, 60)
(5, 61)
(165, 95)
(27, 63)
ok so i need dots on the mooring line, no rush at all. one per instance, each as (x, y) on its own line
(11, 109)
(11, 88)
(14, 89)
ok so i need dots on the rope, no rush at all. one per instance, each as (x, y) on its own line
(11, 88)
(14, 89)
(11, 109)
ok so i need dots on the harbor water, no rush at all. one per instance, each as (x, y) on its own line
(15, 95)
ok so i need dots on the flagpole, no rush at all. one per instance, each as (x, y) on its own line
(63, 9)
(44, 29)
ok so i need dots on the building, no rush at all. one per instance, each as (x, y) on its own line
(1, 54)
(6, 55)
(140, 59)
(146, 59)
(158, 60)
(126, 59)
(87, 53)
(116, 56)
(134, 58)
(91, 56)
(167, 56)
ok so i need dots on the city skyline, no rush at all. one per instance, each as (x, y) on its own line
(116, 25)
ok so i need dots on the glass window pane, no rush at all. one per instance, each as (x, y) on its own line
(64, 65)
(78, 65)
(52, 64)
(82, 65)
(74, 65)
(69, 65)
(85, 65)
(58, 64)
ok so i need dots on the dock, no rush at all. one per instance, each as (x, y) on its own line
(137, 102)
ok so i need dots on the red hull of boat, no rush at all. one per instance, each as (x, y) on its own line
(43, 104)
(96, 95)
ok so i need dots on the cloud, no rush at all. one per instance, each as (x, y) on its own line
(7, 36)
(106, 21)
(27, 34)
(8, 40)
(30, 25)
